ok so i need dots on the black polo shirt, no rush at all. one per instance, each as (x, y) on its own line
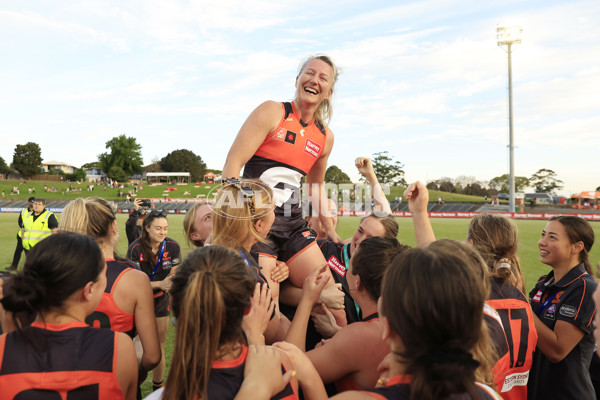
(570, 300)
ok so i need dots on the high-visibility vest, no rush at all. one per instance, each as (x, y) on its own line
(36, 230)
(25, 213)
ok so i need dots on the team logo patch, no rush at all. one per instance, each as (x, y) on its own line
(550, 312)
(557, 297)
(166, 264)
(308, 235)
(279, 134)
(537, 297)
(337, 266)
(290, 137)
(312, 148)
(567, 311)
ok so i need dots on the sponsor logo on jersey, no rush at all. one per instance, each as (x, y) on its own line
(567, 311)
(537, 297)
(337, 266)
(290, 137)
(279, 134)
(312, 148)
(517, 379)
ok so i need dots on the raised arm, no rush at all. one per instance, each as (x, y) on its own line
(262, 121)
(418, 198)
(316, 188)
(365, 167)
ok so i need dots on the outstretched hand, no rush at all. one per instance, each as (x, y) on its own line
(314, 284)
(418, 197)
(364, 166)
(255, 322)
(324, 321)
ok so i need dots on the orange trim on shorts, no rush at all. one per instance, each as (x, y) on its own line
(267, 255)
(300, 252)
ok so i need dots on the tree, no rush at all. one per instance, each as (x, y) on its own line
(500, 183)
(27, 159)
(387, 170)
(446, 185)
(4, 169)
(117, 174)
(432, 185)
(90, 165)
(125, 153)
(545, 181)
(336, 175)
(78, 175)
(184, 161)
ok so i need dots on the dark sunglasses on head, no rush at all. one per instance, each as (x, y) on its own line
(158, 213)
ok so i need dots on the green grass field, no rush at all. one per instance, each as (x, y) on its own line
(529, 232)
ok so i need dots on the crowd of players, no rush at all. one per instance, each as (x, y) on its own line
(263, 308)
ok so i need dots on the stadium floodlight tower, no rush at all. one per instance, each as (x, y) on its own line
(507, 36)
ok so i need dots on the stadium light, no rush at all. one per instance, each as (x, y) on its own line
(507, 36)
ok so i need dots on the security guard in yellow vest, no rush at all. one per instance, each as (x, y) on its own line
(19, 249)
(39, 224)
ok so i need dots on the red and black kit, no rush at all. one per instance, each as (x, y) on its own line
(285, 156)
(398, 388)
(74, 362)
(515, 349)
(108, 314)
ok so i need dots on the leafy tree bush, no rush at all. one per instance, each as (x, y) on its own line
(27, 159)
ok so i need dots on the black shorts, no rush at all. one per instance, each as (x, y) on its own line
(287, 238)
(162, 304)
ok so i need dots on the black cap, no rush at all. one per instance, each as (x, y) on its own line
(31, 199)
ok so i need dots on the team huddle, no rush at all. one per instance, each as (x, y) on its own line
(274, 305)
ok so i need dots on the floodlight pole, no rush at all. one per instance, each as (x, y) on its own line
(505, 37)
(511, 143)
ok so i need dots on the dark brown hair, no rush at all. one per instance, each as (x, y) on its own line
(433, 300)
(579, 230)
(371, 259)
(210, 293)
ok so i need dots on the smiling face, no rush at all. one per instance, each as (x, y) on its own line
(555, 246)
(315, 82)
(368, 227)
(157, 231)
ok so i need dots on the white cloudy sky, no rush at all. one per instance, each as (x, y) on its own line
(423, 80)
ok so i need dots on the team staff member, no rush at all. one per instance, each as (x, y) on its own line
(158, 256)
(39, 224)
(133, 225)
(22, 216)
(59, 356)
(280, 143)
(563, 312)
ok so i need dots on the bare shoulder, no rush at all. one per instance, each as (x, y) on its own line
(352, 395)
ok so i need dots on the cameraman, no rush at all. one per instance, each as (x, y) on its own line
(133, 226)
